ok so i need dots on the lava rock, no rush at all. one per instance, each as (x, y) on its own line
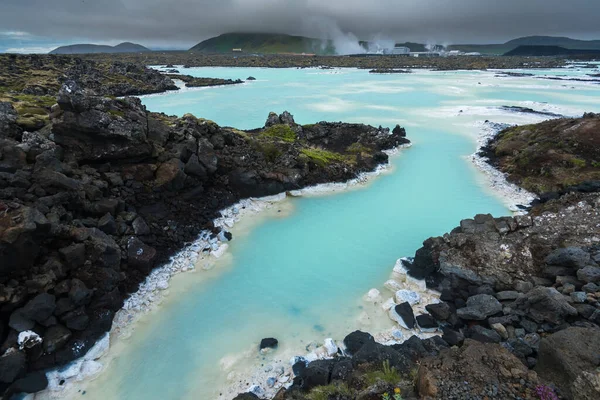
(407, 317)
(55, 338)
(357, 339)
(426, 322)
(375, 354)
(545, 304)
(574, 257)
(32, 383)
(452, 337)
(480, 307)
(139, 254)
(12, 365)
(74, 254)
(318, 373)
(589, 274)
(507, 295)
(107, 224)
(40, 307)
(484, 335)
(520, 348)
(565, 355)
(140, 227)
(440, 311)
(268, 343)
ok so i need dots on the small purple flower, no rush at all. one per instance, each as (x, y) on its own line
(545, 393)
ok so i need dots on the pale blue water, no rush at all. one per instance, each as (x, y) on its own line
(300, 278)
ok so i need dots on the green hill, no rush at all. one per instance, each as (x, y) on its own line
(260, 43)
(125, 47)
(564, 42)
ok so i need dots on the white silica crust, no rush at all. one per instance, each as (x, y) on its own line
(511, 194)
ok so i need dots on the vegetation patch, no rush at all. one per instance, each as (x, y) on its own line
(323, 157)
(116, 113)
(357, 148)
(281, 132)
(386, 374)
(334, 390)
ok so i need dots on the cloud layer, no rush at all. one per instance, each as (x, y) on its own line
(186, 22)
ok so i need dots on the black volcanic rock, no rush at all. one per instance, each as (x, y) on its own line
(405, 312)
(357, 339)
(268, 343)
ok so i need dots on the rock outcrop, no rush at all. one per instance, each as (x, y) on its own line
(552, 156)
(90, 204)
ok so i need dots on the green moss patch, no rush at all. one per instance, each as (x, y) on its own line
(281, 132)
(323, 157)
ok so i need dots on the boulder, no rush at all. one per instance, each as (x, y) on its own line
(40, 307)
(403, 314)
(439, 311)
(408, 296)
(573, 257)
(107, 224)
(426, 322)
(21, 233)
(19, 322)
(589, 274)
(79, 294)
(31, 383)
(480, 307)
(194, 168)
(55, 338)
(484, 335)
(139, 254)
(356, 340)
(452, 337)
(74, 254)
(342, 369)
(12, 365)
(376, 354)
(207, 156)
(268, 343)
(519, 348)
(170, 175)
(90, 127)
(567, 354)
(317, 373)
(140, 227)
(507, 295)
(8, 122)
(246, 396)
(545, 304)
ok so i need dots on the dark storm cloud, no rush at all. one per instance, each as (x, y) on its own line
(188, 21)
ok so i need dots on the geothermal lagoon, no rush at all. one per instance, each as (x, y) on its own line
(298, 271)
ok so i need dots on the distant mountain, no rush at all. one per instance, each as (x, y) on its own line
(564, 42)
(538, 50)
(125, 47)
(261, 43)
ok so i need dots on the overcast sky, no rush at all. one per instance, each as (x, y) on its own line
(183, 23)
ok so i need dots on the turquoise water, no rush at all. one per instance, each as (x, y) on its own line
(300, 278)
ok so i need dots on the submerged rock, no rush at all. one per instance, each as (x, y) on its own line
(268, 343)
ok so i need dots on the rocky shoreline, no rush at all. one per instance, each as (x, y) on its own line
(105, 191)
(519, 315)
(194, 59)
